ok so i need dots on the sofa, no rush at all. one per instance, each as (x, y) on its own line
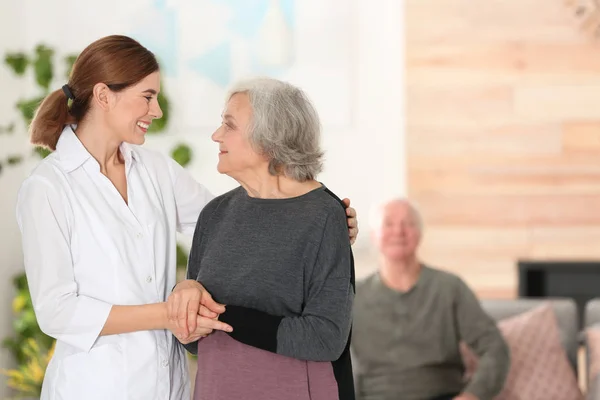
(591, 319)
(572, 338)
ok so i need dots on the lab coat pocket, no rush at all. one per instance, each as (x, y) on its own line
(97, 374)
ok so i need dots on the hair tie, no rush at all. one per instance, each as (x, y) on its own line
(68, 92)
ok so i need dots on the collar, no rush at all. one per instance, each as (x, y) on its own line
(421, 280)
(73, 154)
(129, 153)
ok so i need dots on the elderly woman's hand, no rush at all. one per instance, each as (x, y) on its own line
(187, 302)
(352, 221)
(204, 327)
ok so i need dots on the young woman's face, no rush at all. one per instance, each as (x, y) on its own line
(134, 109)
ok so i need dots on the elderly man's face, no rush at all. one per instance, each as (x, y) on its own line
(236, 155)
(399, 235)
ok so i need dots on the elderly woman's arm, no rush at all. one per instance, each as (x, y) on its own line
(190, 197)
(321, 332)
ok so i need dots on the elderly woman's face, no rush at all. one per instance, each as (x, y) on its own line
(236, 155)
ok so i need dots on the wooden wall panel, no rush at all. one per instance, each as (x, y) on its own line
(503, 136)
(484, 104)
(503, 140)
(581, 137)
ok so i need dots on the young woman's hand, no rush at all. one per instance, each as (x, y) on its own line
(352, 221)
(204, 327)
(189, 301)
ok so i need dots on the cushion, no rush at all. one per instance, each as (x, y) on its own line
(592, 337)
(565, 311)
(540, 368)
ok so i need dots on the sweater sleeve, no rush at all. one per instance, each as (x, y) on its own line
(480, 332)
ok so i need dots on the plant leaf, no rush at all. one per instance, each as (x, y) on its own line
(9, 343)
(8, 128)
(28, 107)
(44, 70)
(70, 60)
(20, 282)
(17, 61)
(42, 151)
(182, 257)
(13, 160)
(19, 302)
(182, 154)
(158, 125)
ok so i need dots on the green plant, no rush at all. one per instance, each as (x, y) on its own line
(28, 377)
(159, 125)
(41, 61)
(43, 66)
(182, 154)
(8, 128)
(69, 60)
(18, 62)
(25, 324)
(182, 257)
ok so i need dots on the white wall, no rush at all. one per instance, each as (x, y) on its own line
(10, 255)
(349, 58)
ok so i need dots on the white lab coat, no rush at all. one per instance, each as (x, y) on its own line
(85, 249)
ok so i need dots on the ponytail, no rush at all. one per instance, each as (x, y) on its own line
(108, 60)
(49, 120)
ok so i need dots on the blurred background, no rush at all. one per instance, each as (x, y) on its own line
(485, 113)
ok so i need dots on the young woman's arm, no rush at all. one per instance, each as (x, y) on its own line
(125, 319)
(44, 219)
(190, 197)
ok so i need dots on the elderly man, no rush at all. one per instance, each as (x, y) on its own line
(409, 319)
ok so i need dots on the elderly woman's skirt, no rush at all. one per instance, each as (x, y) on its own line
(228, 369)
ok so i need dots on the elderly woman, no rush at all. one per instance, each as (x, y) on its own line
(276, 252)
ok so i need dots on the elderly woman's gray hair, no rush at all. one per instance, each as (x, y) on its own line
(284, 127)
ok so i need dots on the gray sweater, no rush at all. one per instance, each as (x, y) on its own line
(406, 345)
(284, 269)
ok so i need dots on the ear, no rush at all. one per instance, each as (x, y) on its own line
(102, 96)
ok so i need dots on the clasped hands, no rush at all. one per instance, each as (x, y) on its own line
(192, 313)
